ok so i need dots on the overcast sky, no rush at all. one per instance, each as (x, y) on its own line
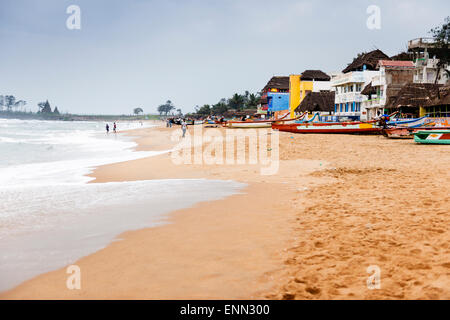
(139, 53)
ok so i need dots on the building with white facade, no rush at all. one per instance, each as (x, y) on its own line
(392, 76)
(348, 97)
(348, 85)
(427, 67)
(427, 70)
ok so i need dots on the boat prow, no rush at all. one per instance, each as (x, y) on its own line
(432, 137)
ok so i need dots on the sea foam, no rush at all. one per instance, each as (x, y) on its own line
(50, 216)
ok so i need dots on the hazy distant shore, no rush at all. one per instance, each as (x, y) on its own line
(73, 117)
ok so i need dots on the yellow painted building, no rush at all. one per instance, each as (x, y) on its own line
(298, 90)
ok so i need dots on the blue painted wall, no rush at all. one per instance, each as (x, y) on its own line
(278, 101)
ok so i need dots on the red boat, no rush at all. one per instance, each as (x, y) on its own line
(408, 133)
(369, 127)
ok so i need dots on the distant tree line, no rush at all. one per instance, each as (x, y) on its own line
(238, 102)
(168, 108)
(9, 103)
(44, 107)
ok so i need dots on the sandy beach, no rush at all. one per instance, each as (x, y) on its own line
(337, 205)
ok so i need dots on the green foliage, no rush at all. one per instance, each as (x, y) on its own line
(441, 36)
(44, 107)
(204, 111)
(137, 111)
(166, 108)
(237, 102)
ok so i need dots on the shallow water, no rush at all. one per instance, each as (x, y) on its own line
(50, 216)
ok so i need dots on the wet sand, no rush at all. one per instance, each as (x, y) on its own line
(338, 204)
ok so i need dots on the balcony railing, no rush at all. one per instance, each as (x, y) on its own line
(421, 43)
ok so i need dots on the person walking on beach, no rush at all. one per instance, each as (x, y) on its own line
(107, 128)
(183, 127)
(115, 127)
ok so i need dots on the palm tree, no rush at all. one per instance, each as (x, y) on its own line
(236, 102)
(252, 101)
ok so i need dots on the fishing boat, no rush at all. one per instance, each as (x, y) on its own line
(370, 127)
(432, 137)
(249, 124)
(407, 132)
(191, 122)
(408, 123)
(263, 123)
(255, 123)
(291, 121)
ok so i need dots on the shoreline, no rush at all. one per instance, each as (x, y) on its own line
(177, 221)
(309, 232)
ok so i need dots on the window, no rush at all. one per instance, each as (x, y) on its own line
(438, 111)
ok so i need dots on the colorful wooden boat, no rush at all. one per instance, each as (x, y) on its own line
(408, 133)
(369, 127)
(257, 123)
(249, 124)
(408, 123)
(432, 137)
(292, 121)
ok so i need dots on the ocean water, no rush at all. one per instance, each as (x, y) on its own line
(50, 216)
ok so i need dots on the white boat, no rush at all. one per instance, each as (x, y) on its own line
(408, 123)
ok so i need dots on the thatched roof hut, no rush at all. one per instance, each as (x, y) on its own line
(279, 83)
(370, 60)
(414, 95)
(317, 101)
(442, 98)
(403, 56)
(315, 75)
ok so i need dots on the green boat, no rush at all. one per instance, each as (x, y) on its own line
(432, 137)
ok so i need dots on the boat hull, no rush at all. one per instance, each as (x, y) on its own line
(247, 125)
(406, 123)
(432, 137)
(334, 128)
(408, 133)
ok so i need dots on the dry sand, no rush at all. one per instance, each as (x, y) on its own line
(339, 204)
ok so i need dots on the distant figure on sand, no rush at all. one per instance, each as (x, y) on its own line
(183, 127)
(107, 128)
(115, 127)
